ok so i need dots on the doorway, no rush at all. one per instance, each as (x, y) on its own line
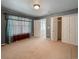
(59, 19)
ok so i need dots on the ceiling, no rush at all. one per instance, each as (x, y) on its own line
(47, 7)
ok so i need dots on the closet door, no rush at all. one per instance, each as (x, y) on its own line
(73, 29)
(52, 38)
(65, 29)
(43, 29)
(76, 29)
(54, 28)
(37, 27)
(69, 29)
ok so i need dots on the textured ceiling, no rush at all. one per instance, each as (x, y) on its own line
(47, 7)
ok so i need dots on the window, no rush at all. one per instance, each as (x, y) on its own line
(18, 25)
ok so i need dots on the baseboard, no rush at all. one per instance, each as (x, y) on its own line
(3, 44)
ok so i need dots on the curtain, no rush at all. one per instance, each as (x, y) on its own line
(18, 25)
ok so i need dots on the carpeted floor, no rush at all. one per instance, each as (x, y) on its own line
(35, 48)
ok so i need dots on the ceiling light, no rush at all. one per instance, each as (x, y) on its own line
(36, 6)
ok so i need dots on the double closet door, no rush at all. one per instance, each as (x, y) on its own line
(70, 29)
(40, 28)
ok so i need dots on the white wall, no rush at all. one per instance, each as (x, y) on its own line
(70, 29)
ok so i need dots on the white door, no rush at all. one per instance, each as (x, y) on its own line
(37, 27)
(54, 28)
(43, 28)
(52, 38)
(69, 29)
(65, 29)
(73, 29)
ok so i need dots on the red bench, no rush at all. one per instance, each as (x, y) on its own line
(20, 36)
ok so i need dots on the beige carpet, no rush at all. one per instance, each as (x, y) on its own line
(38, 49)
